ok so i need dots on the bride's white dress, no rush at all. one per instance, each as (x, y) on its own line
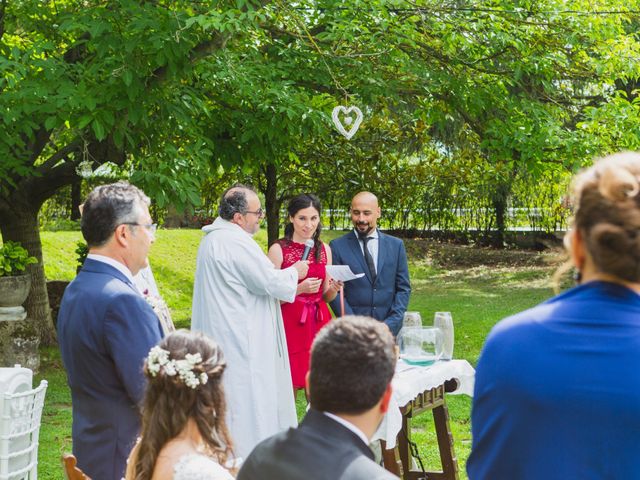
(194, 466)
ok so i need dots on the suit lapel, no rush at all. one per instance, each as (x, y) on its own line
(356, 251)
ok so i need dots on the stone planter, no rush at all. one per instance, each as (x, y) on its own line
(13, 293)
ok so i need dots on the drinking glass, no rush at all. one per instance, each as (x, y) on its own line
(444, 322)
(420, 345)
(412, 319)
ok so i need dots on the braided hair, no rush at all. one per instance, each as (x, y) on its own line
(607, 214)
(170, 402)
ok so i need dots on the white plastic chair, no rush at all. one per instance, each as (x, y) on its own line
(19, 431)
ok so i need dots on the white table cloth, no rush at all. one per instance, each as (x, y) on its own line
(410, 380)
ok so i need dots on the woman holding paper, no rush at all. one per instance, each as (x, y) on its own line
(309, 312)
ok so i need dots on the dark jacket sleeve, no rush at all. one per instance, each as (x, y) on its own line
(131, 329)
(402, 292)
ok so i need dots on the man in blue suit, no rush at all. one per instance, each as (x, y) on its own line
(106, 328)
(383, 293)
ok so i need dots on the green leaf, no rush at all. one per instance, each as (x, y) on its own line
(84, 120)
(14, 258)
(98, 129)
(50, 123)
(90, 102)
(127, 77)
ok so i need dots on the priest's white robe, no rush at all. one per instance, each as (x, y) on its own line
(236, 302)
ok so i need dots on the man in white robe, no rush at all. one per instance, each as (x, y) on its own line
(236, 302)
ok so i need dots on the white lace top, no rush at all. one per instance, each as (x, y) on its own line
(194, 466)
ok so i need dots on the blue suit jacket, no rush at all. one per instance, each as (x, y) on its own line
(105, 330)
(388, 298)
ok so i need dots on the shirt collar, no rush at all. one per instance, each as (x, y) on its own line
(348, 425)
(114, 263)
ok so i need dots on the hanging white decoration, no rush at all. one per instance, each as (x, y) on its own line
(84, 169)
(348, 119)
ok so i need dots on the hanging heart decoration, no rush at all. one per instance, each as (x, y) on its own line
(348, 119)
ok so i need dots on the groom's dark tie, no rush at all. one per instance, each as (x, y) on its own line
(367, 256)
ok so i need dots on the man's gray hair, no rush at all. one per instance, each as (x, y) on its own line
(234, 200)
(108, 206)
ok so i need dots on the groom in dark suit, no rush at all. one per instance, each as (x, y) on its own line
(349, 382)
(383, 293)
(106, 329)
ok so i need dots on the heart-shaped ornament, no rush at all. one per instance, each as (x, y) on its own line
(348, 119)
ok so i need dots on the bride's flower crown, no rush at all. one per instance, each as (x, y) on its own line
(186, 368)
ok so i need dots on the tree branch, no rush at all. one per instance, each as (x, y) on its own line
(202, 50)
(40, 141)
(53, 175)
(3, 9)
(61, 154)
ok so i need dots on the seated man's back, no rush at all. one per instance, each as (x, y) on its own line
(320, 448)
(349, 382)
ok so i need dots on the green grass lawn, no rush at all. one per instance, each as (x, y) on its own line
(479, 287)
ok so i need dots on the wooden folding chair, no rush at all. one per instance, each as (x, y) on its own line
(71, 472)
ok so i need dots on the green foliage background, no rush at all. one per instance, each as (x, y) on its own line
(469, 104)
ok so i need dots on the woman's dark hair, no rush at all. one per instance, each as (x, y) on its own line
(297, 203)
(169, 403)
(607, 214)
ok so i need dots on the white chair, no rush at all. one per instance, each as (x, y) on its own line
(19, 431)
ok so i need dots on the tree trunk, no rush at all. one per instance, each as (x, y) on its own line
(332, 215)
(499, 201)
(21, 225)
(272, 204)
(76, 199)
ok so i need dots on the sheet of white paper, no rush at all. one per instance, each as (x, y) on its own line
(342, 272)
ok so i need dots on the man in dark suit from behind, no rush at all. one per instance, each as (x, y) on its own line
(383, 292)
(106, 329)
(352, 363)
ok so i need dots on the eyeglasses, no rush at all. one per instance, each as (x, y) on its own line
(151, 227)
(259, 212)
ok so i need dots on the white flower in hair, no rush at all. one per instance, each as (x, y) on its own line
(193, 359)
(190, 379)
(153, 368)
(158, 359)
(170, 368)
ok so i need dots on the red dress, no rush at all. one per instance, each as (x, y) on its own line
(307, 314)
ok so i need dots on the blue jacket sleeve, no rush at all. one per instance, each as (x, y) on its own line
(335, 303)
(402, 293)
(131, 329)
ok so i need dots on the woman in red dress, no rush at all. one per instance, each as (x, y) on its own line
(309, 312)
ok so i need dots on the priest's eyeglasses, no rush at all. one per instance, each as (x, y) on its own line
(151, 227)
(259, 212)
